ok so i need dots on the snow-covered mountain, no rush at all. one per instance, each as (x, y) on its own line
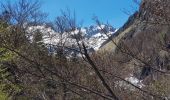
(95, 36)
(92, 36)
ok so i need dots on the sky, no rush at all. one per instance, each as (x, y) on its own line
(111, 11)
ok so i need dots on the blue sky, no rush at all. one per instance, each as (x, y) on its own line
(107, 10)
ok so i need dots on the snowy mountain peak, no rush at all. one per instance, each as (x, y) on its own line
(92, 36)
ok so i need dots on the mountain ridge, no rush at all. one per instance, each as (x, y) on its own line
(92, 36)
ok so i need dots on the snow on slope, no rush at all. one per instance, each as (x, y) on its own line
(92, 36)
(133, 80)
(95, 41)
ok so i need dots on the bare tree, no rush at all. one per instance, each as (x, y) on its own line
(23, 12)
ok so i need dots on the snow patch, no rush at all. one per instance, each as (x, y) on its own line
(133, 80)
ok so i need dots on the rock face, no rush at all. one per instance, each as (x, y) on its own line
(144, 39)
(155, 10)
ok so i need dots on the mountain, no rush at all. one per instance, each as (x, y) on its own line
(92, 36)
(152, 15)
(142, 44)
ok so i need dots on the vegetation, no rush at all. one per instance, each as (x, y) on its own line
(33, 70)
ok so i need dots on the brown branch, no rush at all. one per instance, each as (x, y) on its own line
(56, 74)
(78, 85)
(98, 73)
(29, 60)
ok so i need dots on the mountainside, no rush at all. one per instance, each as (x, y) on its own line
(143, 43)
(153, 14)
